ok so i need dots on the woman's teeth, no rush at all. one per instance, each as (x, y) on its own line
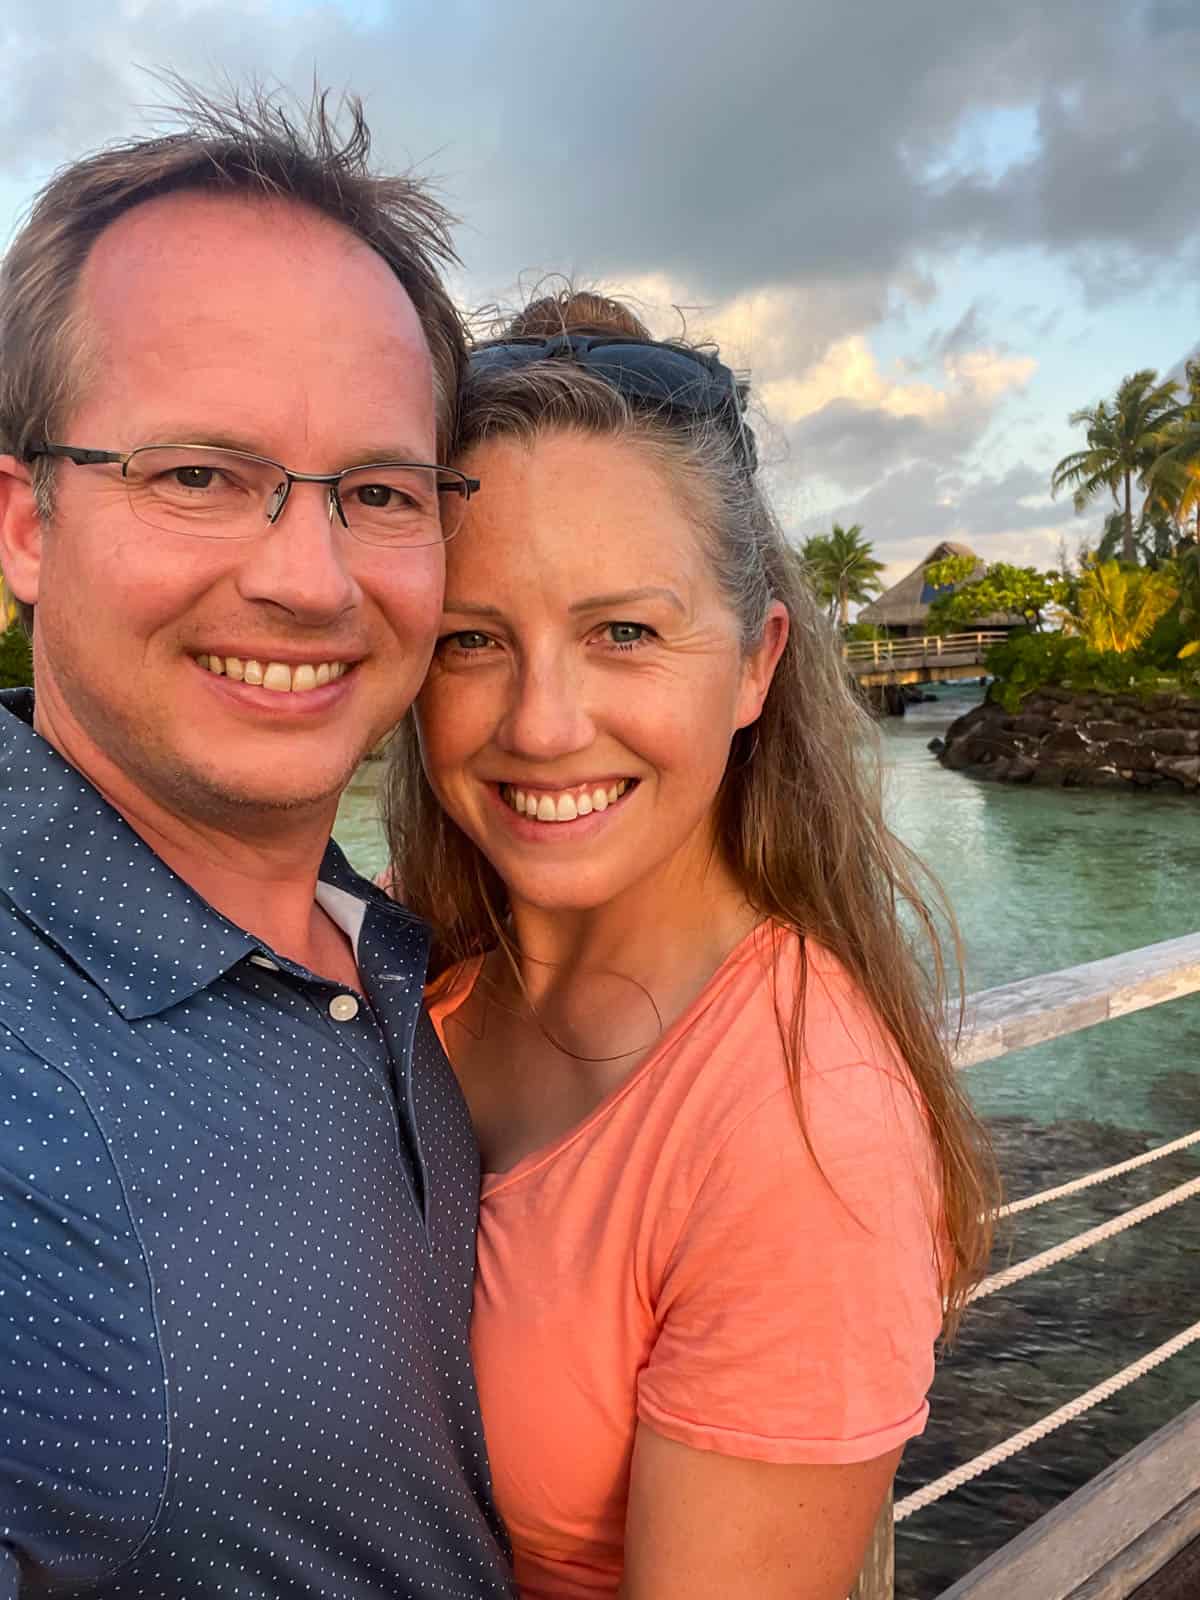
(566, 805)
(275, 675)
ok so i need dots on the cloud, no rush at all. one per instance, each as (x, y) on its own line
(1005, 516)
(795, 175)
(733, 155)
(973, 381)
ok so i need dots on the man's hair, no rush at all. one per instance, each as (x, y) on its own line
(251, 143)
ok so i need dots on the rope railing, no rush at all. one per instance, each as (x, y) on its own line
(1034, 1011)
(1084, 1241)
(1101, 1175)
(949, 1481)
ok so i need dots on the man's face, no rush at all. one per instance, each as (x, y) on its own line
(260, 325)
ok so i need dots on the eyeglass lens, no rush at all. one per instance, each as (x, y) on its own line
(220, 494)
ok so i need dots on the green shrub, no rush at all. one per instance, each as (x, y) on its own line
(1029, 661)
(16, 660)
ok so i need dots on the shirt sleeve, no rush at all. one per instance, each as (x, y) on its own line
(82, 1402)
(801, 1301)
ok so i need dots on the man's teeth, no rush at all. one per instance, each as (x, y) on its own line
(276, 675)
(565, 806)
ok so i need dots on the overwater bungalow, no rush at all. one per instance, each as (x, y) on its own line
(903, 610)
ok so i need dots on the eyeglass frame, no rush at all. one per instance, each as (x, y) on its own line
(586, 350)
(81, 457)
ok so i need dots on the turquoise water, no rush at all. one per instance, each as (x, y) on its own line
(1045, 878)
(1041, 879)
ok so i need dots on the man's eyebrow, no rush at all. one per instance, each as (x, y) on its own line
(220, 440)
(625, 597)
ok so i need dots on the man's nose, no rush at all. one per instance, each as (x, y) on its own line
(547, 716)
(302, 562)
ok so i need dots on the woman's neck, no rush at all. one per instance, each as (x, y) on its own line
(660, 939)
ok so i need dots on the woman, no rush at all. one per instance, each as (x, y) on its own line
(729, 1181)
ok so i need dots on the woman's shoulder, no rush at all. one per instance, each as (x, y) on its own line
(788, 992)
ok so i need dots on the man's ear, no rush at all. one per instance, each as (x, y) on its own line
(20, 531)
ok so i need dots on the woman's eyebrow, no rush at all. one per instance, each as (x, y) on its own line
(470, 608)
(607, 602)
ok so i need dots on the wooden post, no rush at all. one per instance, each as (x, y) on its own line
(877, 1580)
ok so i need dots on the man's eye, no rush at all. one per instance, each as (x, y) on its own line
(468, 640)
(195, 477)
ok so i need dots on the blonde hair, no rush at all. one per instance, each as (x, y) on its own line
(799, 812)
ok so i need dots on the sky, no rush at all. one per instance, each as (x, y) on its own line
(930, 230)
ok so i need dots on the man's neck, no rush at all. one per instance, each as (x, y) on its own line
(257, 866)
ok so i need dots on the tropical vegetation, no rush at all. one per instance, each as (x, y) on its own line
(842, 570)
(1125, 438)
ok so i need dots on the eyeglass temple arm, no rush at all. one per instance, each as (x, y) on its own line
(70, 452)
(464, 486)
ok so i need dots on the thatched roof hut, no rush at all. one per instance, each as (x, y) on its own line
(904, 608)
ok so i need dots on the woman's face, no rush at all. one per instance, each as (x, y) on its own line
(589, 676)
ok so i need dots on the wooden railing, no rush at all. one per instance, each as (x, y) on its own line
(868, 653)
(1117, 1531)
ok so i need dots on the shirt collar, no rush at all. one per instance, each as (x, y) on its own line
(74, 868)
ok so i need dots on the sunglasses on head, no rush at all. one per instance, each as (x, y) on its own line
(693, 382)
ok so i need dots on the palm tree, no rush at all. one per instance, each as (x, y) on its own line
(843, 569)
(1175, 475)
(1118, 606)
(1124, 439)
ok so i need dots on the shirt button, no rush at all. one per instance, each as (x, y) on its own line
(265, 961)
(343, 1007)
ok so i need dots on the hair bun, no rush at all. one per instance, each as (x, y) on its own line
(576, 311)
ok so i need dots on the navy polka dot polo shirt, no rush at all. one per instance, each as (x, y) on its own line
(237, 1231)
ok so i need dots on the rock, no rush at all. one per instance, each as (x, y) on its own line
(936, 745)
(1037, 727)
(1022, 770)
(1048, 776)
(1067, 747)
(1171, 741)
(1184, 770)
(1126, 756)
(1106, 730)
(1108, 778)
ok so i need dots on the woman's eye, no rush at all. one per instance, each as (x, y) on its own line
(469, 640)
(626, 634)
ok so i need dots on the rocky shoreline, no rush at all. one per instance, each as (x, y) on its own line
(1064, 739)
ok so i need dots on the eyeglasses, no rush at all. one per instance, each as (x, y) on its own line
(209, 493)
(693, 382)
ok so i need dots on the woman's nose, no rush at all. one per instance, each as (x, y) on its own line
(546, 717)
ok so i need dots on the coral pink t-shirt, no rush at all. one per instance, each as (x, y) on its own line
(678, 1259)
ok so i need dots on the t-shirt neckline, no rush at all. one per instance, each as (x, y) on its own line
(463, 983)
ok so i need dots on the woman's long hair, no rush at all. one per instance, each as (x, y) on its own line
(799, 813)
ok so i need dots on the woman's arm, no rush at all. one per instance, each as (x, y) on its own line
(701, 1524)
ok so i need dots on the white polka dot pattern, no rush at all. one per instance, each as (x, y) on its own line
(236, 1240)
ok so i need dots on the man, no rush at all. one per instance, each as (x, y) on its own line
(237, 1182)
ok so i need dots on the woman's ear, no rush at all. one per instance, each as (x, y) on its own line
(20, 531)
(759, 663)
